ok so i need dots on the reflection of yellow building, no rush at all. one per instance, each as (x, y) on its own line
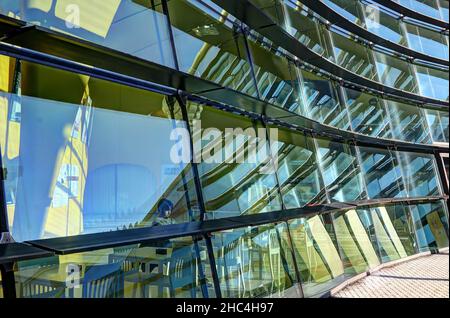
(95, 16)
(9, 127)
(65, 214)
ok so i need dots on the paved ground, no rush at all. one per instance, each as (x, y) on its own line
(425, 277)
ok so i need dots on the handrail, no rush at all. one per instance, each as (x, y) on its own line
(14, 252)
(89, 242)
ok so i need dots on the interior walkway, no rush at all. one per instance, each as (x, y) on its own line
(424, 277)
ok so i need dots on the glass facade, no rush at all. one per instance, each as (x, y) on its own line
(410, 33)
(347, 51)
(89, 155)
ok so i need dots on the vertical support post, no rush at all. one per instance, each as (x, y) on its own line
(249, 57)
(294, 258)
(201, 202)
(172, 39)
(4, 226)
(212, 262)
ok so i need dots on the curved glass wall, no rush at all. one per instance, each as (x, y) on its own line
(85, 155)
(244, 167)
(73, 166)
(216, 50)
(344, 50)
(317, 252)
(79, 158)
(305, 93)
(390, 25)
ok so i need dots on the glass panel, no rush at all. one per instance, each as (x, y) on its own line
(255, 262)
(420, 174)
(367, 113)
(235, 163)
(432, 83)
(340, 171)
(177, 268)
(298, 171)
(317, 254)
(443, 8)
(408, 122)
(319, 101)
(353, 56)
(426, 7)
(382, 23)
(438, 123)
(431, 224)
(395, 73)
(404, 228)
(357, 252)
(209, 45)
(79, 161)
(276, 77)
(382, 173)
(108, 23)
(296, 19)
(427, 41)
(389, 243)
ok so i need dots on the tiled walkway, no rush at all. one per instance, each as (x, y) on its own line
(425, 277)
